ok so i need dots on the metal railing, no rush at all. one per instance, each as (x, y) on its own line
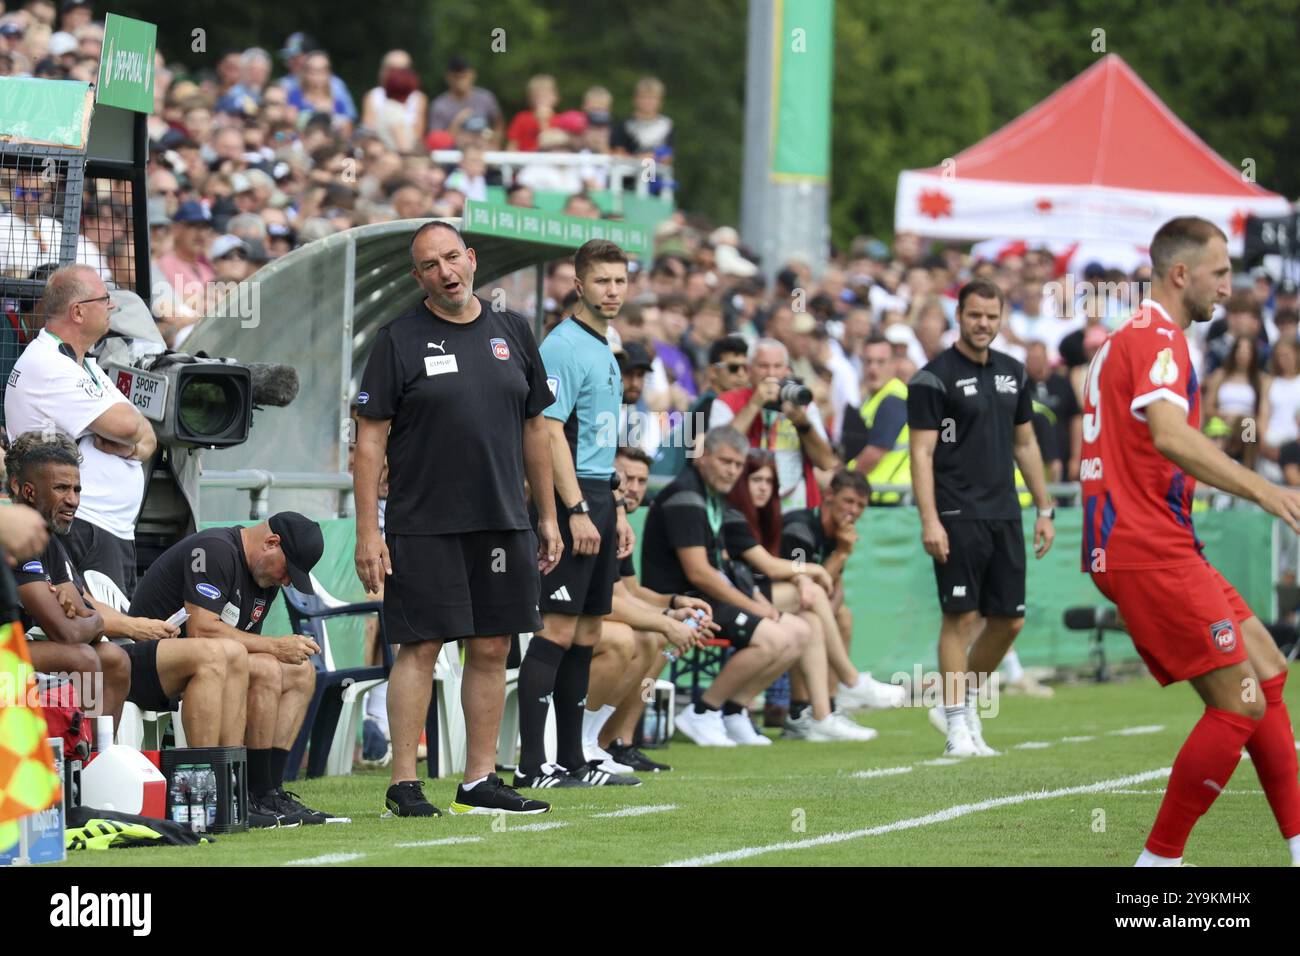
(1067, 494)
(642, 171)
(259, 483)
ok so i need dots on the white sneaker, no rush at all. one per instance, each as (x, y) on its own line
(796, 728)
(740, 729)
(977, 734)
(960, 743)
(939, 720)
(825, 730)
(598, 754)
(854, 729)
(704, 729)
(868, 692)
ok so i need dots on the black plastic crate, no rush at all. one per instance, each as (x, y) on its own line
(229, 766)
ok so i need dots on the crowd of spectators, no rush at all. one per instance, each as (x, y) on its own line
(245, 165)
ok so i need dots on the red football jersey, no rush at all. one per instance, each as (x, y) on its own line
(1137, 503)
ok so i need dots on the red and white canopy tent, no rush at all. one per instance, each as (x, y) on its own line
(1100, 161)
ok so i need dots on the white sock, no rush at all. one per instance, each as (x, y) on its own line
(377, 706)
(593, 721)
(1294, 844)
(1012, 663)
(972, 706)
(474, 783)
(956, 717)
(1151, 859)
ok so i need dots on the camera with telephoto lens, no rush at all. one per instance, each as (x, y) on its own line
(791, 390)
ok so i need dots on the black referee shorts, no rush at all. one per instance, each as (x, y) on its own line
(985, 571)
(445, 587)
(583, 584)
(146, 687)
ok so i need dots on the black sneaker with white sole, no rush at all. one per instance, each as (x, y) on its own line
(634, 758)
(406, 799)
(493, 796)
(591, 774)
(288, 803)
(264, 815)
(550, 776)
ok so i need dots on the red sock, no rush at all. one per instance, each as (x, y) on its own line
(1201, 771)
(1272, 750)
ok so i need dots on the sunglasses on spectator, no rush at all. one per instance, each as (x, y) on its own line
(735, 368)
(234, 254)
(22, 192)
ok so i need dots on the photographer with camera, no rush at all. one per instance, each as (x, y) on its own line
(776, 413)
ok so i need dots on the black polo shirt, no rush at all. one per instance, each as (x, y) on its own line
(457, 397)
(975, 409)
(207, 568)
(685, 514)
(802, 535)
(1056, 394)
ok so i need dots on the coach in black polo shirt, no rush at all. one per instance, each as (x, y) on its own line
(969, 414)
(453, 392)
(226, 579)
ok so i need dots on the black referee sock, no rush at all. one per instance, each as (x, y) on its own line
(731, 708)
(536, 682)
(259, 772)
(279, 760)
(571, 682)
(797, 707)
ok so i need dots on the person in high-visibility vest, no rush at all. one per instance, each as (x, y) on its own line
(879, 428)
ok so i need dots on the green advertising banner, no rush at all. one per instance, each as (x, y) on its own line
(50, 112)
(531, 225)
(126, 65)
(803, 58)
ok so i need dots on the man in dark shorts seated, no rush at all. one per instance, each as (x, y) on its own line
(682, 552)
(225, 579)
(45, 474)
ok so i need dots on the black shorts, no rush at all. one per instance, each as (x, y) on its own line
(985, 571)
(583, 584)
(91, 548)
(735, 625)
(146, 687)
(445, 587)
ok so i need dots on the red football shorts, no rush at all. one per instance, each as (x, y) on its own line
(1185, 621)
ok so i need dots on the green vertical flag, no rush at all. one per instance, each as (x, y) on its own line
(126, 64)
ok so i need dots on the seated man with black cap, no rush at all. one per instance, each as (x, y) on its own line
(226, 579)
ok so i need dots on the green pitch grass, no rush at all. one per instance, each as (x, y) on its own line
(793, 793)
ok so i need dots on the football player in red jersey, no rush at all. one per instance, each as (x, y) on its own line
(1143, 453)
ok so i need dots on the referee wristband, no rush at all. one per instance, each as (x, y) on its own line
(672, 602)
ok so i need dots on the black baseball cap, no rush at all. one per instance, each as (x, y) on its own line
(458, 64)
(635, 356)
(302, 543)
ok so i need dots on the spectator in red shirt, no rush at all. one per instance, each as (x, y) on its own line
(527, 126)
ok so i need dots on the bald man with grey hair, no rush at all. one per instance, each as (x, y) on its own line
(56, 386)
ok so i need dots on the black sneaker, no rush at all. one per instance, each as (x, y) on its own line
(550, 776)
(288, 803)
(264, 815)
(493, 796)
(590, 773)
(406, 799)
(631, 757)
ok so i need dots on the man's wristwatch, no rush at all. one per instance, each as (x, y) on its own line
(1048, 513)
(581, 508)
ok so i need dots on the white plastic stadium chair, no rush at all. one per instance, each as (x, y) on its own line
(452, 742)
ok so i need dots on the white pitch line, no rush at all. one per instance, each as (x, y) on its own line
(636, 811)
(1158, 792)
(939, 762)
(445, 841)
(942, 816)
(1135, 731)
(535, 827)
(1032, 745)
(327, 860)
(1077, 740)
(880, 772)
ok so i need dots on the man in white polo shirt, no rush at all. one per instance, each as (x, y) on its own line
(55, 385)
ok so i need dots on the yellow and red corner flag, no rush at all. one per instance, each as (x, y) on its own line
(28, 782)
